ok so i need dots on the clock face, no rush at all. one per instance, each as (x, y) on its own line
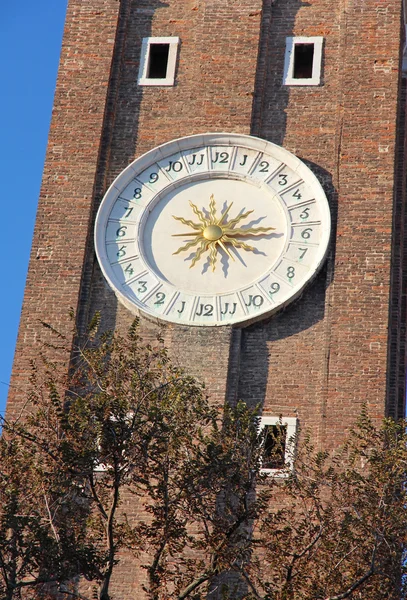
(212, 229)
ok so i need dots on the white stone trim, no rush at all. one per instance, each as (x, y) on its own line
(291, 42)
(291, 423)
(145, 56)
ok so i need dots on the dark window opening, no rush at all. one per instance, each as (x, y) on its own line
(274, 446)
(158, 61)
(303, 60)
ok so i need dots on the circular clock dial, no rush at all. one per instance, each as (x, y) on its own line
(212, 229)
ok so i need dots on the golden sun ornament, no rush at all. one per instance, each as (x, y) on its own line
(212, 233)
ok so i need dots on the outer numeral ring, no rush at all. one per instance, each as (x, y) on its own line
(228, 155)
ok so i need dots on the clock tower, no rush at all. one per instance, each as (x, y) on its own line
(238, 166)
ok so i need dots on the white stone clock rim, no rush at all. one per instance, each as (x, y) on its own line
(243, 322)
(205, 140)
(197, 177)
(216, 139)
(191, 142)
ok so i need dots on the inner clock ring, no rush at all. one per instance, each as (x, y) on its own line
(213, 236)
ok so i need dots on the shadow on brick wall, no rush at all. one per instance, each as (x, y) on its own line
(266, 347)
(119, 143)
(272, 362)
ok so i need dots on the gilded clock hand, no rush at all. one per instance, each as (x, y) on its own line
(183, 234)
(225, 213)
(222, 245)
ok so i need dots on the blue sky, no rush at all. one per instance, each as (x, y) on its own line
(30, 42)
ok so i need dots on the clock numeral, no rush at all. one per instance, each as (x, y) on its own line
(121, 232)
(297, 194)
(142, 287)
(129, 270)
(242, 164)
(121, 252)
(303, 252)
(153, 177)
(256, 301)
(264, 166)
(223, 157)
(290, 272)
(226, 309)
(182, 305)
(305, 214)
(274, 288)
(205, 310)
(198, 164)
(137, 194)
(129, 210)
(160, 299)
(282, 179)
(176, 166)
(306, 234)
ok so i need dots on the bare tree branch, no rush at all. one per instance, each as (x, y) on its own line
(51, 521)
(359, 582)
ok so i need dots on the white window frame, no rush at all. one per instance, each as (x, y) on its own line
(291, 423)
(101, 467)
(291, 42)
(145, 58)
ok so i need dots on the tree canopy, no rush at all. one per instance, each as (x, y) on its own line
(124, 456)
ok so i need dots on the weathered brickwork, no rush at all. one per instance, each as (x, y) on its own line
(342, 343)
(327, 354)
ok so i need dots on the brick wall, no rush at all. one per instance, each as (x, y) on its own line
(327, 354)
(215, 79)
(341, 344)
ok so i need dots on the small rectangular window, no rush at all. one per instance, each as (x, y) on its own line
(303, 59)
(279, 444)
(275, 439)
(158, 60)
